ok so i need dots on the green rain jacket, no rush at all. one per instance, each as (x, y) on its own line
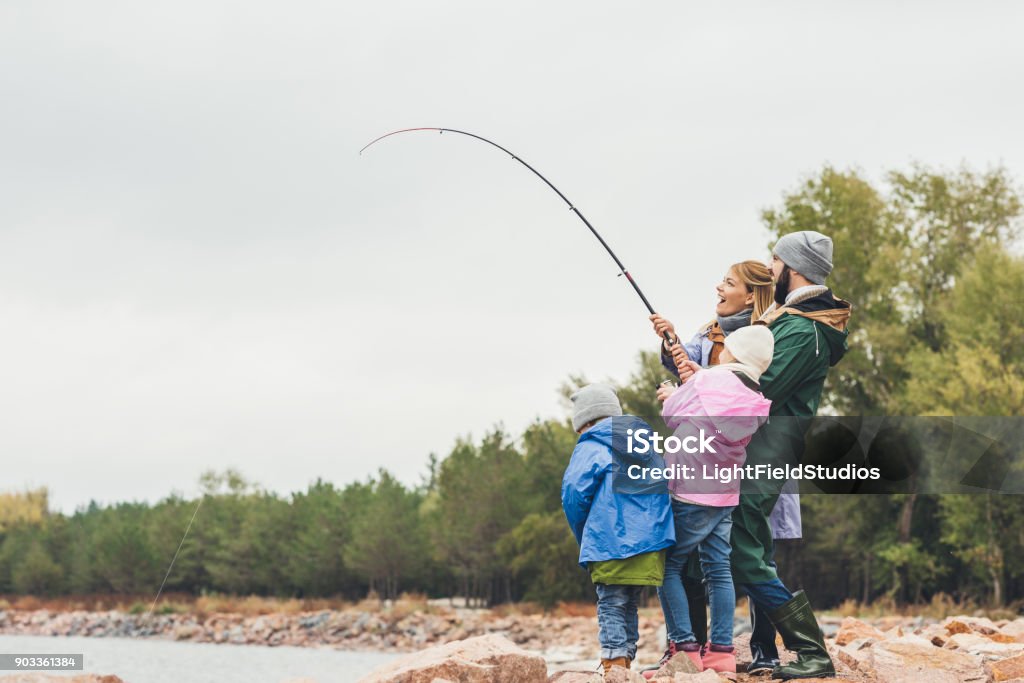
(810, 337)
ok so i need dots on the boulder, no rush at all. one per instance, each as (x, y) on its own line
(703, 677)
(1006, 669)
(618, 674)
(853, 656)
(1014, 629)
(894, 632)
(912, 658)
(679, 664)
(977, 644)
(186, 632)
(483, 659)
(963, 624)
(854, 629)
(575, 677)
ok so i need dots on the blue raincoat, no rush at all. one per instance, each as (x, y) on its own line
(613, 516)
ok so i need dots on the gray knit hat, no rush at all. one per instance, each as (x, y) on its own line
(592, 402)
(808, 253)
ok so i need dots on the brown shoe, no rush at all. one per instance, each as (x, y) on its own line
(607, 664)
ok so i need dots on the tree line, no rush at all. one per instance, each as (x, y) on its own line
(930, 261)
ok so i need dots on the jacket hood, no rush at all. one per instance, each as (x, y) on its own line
(614, 433)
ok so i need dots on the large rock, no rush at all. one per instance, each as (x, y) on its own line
(575, 677)
(911, 659)
(1014, 629)
(679, 664)
(854, 629)
(984, 646)
(707, 676)
(1006, 669)
(963, 624)
(620, 674)
(484, 659)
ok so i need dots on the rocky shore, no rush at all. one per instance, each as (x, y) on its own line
(889, 649)
(957, 650)
(347, 629)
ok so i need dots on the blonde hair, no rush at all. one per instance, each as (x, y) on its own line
(758, 279)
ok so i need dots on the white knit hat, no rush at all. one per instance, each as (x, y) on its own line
(752, 346)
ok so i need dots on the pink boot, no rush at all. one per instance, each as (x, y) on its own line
(692, 651)
(721, 659)
(674, 650)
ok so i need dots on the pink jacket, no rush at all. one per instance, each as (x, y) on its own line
(719, 403)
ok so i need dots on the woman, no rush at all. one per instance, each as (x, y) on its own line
(744, 294)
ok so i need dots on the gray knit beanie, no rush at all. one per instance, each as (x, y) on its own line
(808, 253)
(592, 402)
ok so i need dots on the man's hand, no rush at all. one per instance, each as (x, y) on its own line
(686, 369)
(662, 325)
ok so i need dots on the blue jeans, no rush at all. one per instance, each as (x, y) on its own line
(617, 625)
(704, 529)
(768, 595)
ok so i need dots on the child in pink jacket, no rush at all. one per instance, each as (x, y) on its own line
(723, 402)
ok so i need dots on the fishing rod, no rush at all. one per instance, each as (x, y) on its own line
(622, 268)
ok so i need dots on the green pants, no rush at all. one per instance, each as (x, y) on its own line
(752, 539)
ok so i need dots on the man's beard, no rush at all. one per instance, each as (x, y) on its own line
(782, 287)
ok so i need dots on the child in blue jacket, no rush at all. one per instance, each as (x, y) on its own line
(623, 522)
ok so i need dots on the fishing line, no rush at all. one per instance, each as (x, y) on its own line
(572, 207)
(171, 565)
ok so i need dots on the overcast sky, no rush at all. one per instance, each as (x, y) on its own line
(197, 269)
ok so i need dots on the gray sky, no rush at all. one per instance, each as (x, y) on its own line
(198, 271)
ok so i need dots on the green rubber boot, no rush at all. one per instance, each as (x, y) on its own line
(801, 634)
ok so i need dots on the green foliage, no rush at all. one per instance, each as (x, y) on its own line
(479, 499)
(387, 537)
(979, 370)
(322, 517)
(547, 446)
(986, 532)
(36, 572)
(910, 567)
(542, 553)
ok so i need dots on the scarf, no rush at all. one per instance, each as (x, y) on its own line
(798, 295)
(731, 323)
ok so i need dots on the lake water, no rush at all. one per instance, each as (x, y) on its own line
(166, 661)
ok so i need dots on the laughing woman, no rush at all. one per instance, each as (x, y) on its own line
(743, 295)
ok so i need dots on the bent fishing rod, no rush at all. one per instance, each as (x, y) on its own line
(572, 207)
